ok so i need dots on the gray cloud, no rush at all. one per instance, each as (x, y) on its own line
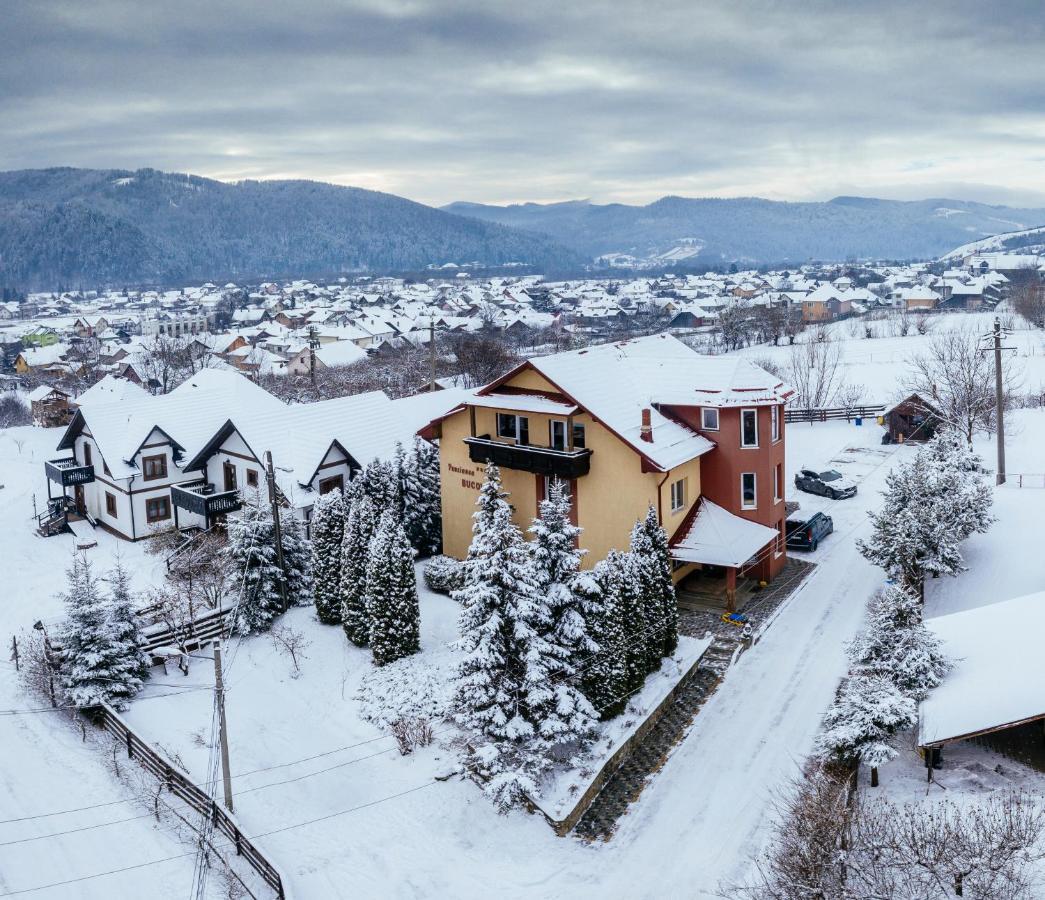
(461, 99)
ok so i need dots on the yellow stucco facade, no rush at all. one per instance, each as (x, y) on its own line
(608, 500)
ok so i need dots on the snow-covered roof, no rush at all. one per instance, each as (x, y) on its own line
(719, 538)
(998, 674)
(533, 403)
(109, 389)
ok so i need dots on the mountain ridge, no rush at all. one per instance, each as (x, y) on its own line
(111, 226)
(755, 230)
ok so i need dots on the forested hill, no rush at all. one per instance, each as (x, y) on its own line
(712, 231)
(107, 227)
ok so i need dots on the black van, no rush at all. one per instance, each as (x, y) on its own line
(806, 533)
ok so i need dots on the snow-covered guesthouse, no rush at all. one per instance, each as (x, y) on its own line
(625, 426)
(139, 465)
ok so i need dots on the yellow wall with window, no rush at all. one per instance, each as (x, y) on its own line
(609, 499)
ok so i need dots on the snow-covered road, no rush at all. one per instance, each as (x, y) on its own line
(714, 801)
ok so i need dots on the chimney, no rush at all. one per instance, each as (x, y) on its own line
(647, 426)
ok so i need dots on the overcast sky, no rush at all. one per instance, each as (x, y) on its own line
(495, 101)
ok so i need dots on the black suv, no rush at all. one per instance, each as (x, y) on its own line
(806, 533)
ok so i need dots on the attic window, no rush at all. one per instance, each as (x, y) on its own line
(709, 418)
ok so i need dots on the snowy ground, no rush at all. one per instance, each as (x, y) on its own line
(44, 767)
(880, 364)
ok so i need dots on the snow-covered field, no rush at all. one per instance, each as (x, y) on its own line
(44, 766)
(880, 364)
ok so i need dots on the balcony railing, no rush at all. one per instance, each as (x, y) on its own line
(201, 498)
(526, 458)
(68, 472)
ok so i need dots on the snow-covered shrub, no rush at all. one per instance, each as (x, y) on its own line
(406, 697)
(444, 574)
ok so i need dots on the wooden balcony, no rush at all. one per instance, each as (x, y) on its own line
(201, 498)
(565, 464)
(68, 472)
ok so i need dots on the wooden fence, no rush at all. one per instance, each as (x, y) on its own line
(195, 797)
(823, 414)
(1023, 479)
(191, 634)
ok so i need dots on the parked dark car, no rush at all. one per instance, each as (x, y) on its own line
(829, 483)
(805, 533)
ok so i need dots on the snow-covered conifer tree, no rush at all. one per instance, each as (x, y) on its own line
(251, 551)
(391, 593)
(123, 620)
(96, 666)
(380, 482)
(421, 499)
(604, 677)
(297, 559)
(328, 532)
(498, 637)
(624, 581)
(896, 644)
(649, 545)
(868, 711)
(560, 708)
(360, 526)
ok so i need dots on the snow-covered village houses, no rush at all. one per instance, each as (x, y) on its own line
(645, 422)
(138, 466)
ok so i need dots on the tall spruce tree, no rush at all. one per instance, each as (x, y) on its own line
(896, 644)
(868, 711)
(624, 581)
(380, 481)
(604, 678)
(499, 599)
(97, 666)
(422, 502)
(559, 706)
(391, 593)
(360, 526)
(251, 551)
(328, 533)
(649, 548)
(123, 619)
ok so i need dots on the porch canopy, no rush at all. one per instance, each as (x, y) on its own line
(998, 680)
(716, 537)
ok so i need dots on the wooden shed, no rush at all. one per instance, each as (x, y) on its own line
(50, 406)
(912, 419)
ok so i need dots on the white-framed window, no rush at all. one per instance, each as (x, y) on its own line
(778, 478)
(709, 418)
(748, 497)
(749, 428)
(515, 427)
(774, 420)
(557, 434)
(678, 494)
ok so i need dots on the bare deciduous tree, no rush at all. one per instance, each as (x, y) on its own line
(813, 370)
(292, 642)
(1028, 299)
(957, 378)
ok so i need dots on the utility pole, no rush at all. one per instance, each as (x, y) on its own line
(313, 344)
(270, 478)
(223, 731)
(431, 352)
(1000, 400)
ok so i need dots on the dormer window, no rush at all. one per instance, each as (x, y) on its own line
(154, 467)
(709, 418)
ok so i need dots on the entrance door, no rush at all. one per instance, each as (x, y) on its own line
(81, 503)
(230, 475)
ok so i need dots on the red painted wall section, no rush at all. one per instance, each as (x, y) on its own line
(720, 471)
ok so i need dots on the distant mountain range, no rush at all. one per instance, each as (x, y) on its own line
(1030, 241)
(111, 227)
(680, 231)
